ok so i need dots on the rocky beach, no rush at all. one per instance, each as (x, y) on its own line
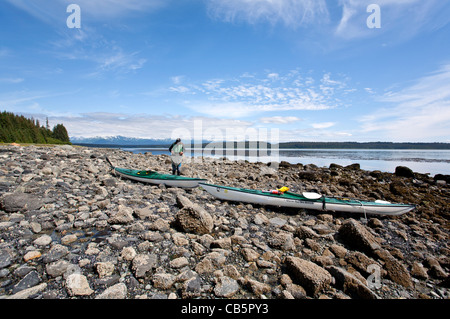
(70, 228)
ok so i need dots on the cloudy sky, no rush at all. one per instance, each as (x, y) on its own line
(297, 70)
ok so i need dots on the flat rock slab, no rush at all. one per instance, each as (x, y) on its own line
(19, 202)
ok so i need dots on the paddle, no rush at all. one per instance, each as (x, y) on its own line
(107, 159)
(311, 195)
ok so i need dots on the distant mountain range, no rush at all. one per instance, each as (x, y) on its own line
(119, 141)
(122, 141)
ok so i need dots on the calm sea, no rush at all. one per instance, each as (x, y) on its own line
(423, 161)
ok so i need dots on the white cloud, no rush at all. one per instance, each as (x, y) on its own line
(55, 11)
(137, 125)
(114, 8)
(196, 128)
(328, 85)
(241, 97)
(179, 89)
(177, 79)
(323, 125)
(316, 135)
(11, 80)
(118, 61)
(292, 13)
(279, 119)
(222, 109)
(419, 112)
(400, 18)
(106, 56)
(25, 101)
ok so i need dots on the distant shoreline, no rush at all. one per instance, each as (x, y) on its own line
(292, 145)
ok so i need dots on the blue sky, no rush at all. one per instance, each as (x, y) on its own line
(293, 70)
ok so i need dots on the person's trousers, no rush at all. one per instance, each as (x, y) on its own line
(176, 168)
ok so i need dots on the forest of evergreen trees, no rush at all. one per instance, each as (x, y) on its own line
(19, 129)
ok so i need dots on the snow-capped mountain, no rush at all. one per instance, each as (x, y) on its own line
(119, 140)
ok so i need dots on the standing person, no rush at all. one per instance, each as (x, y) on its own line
(176, 150)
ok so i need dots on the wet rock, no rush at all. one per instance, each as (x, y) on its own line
(353, 167)
(308, 274)
(360, 261)
(304, 232)
(356, 235)
(68, 239)
(442, 177)
(124, 239)
(55, 253)
(403, 171)
(350, 284)
(436, 269)
(399, 188)
(30, 280)
(309, 176)
(395, 269)
(338, 250)
(419, 271)
(5, 259)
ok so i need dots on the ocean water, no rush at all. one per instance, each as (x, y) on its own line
(422, 161)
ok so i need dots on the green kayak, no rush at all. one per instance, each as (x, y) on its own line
(153, 177)
(306, 200)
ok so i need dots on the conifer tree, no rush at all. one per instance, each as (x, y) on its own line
(19, 129)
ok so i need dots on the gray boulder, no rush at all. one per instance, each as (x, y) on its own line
(16, 202)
